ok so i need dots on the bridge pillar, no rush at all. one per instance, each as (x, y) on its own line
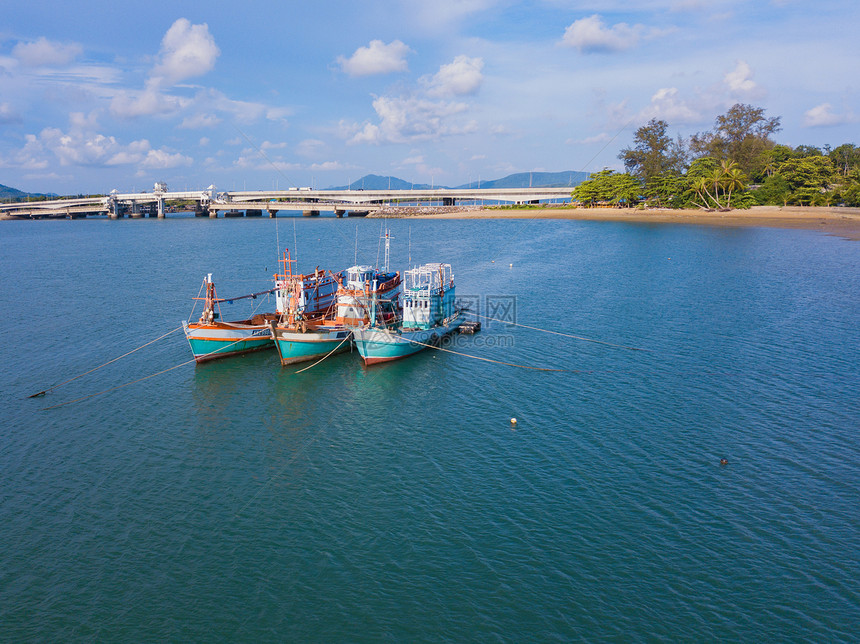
(135, 210)
(272, 213)
(449, 201)
(338, 213)
(160, 208)
(310, 213)
(213, 213)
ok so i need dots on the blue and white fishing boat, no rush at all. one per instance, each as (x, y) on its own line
(428, 314)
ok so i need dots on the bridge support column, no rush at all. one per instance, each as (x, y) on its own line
(310, 213)
(272, 213)
(213, 213)
(338, 213)
(135, 210)
(449, 201)
(160, 208)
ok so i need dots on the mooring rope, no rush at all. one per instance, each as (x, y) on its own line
(566, 335)
(326, 355)
(69, 402)
(42, 393)
(468, 355)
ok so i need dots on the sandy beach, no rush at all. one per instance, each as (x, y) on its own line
(844, 222)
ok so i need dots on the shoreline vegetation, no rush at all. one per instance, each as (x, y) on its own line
(835, 220)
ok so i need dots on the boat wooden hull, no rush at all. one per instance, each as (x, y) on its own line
(295, 346)
(224, 339)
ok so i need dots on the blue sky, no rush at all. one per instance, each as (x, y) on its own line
(97, 95)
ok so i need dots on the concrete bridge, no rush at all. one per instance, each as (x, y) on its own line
(255, 202)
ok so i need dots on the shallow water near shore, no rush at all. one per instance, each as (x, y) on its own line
(241, 501)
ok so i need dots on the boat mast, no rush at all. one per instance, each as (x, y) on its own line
(387, 238)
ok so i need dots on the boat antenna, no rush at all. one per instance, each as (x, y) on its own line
(355, 258)
(277, 237)
(409, 246)
(295, 243)
(387, 249)
(379, 244)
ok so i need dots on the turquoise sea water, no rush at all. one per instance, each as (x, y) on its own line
(241, 501)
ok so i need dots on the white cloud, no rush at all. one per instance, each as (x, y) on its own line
(824, 116)
(186, 51)
(46, 53)
(310, 148)
(591, 35)
(411, 118)
(147, 102)
(739, 80)
(376, 58)
(668, 106)
(83, 146)
(462, 76)
(598, 138)
(269, 145)
(8, 114)
(329, 165)
(199, 121)
(162, 159)
(244, 111)
(442, 15)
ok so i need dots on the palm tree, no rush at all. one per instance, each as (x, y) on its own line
(733, 180)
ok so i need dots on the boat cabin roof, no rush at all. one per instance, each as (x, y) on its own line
(429, 276)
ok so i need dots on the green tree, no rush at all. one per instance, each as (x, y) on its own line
(608, 187)
(653, 152)
(742, 134)
(808, 179)
(711, 185)
(666, 190)
(845, 158)
(733, 179)
(775, 191)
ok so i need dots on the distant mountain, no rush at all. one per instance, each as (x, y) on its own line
(11, 194)
(377, 182)
(570, 179)
(567, 179)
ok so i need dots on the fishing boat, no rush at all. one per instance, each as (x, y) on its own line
(211, 337)
(428, 314)
(300, 337)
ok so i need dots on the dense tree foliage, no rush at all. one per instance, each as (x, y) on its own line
(654, 152)
(608, 187)
(736, 165)
(741, 135)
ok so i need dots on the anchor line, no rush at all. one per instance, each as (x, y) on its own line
(566, 335)
(326, 355)
(69, 402)
(468, 355)
(42, 393)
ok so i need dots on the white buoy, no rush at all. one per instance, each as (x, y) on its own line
(511, 265)
(513, 421)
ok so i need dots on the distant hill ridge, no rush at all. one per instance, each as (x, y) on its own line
(10, 194)
(569, 178)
